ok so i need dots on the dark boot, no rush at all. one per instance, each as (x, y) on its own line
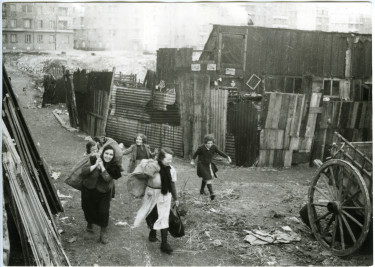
(165, 247)
(103, 235)
(202, 188)
(89, 228)
(212, 195)
(152, 236)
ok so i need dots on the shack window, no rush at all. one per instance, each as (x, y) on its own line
(331, 87)
(5, 38)
(367, 92)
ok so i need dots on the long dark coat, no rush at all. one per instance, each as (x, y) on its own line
(205, 157)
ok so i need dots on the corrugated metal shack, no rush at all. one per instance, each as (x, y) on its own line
(305, 79)
(266, 94)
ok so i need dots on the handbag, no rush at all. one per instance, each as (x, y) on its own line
(176, 227)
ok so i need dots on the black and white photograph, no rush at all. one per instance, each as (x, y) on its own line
(212, 133)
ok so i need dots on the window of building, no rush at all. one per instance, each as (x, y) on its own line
(52, 10)
(27, 8)
(13, 23)
(28, 38)
(5, 38)
(40, 10)
(4, 10)
(63, 11)
(4, 21)
(40, 24)
(51, 39)
(63, 24)
(52, 24)
(12, 7)
(13, 38)
(27, 23)
(40, 38)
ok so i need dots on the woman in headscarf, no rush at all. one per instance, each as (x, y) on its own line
(156, 203)
(97, 190)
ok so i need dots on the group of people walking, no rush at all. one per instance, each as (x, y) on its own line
(102, 169)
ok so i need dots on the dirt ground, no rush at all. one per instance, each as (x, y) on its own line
(247, 199)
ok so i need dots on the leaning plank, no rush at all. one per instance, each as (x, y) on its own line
(63, 124)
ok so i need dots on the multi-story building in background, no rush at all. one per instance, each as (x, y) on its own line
(333, 17)
(37, 26)
(111, 26)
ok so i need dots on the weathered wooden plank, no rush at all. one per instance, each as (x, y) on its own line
(363, 115)
(276, 111)
(295, 143)
(283, 114)
(297, 118)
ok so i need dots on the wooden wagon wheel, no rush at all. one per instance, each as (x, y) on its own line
(339, 207)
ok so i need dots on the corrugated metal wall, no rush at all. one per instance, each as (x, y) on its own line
(124, 130)
(131, 103)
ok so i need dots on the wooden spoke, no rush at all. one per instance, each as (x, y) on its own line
(332, 176)
(352, 208)
(349, 229)
(322, 193)
(334, 232)
(319, 204)
(328, 186)
(352, 218)
(323, 216)
(351, 197)
(326, 230)
(341, 233)
(340, 180)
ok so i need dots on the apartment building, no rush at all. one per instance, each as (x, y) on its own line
(37, 26)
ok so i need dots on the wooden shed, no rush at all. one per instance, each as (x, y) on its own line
(304, 78)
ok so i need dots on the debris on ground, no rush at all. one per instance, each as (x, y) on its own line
(121, 223)
(62, 195)
(73, 239)
(56, 175)
(259, 237)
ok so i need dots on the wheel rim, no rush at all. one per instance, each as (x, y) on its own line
(339, 207)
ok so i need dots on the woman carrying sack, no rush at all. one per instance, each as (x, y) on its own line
(97, 190)
(156, 203)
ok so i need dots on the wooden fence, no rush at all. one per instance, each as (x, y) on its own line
(288, 126)
(353, 120)
(93, 100)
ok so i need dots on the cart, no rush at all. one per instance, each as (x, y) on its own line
(340, 197)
